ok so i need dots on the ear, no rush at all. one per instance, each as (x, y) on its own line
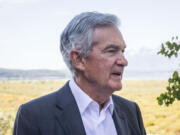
(77, 59)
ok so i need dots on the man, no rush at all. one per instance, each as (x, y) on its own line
(92, 47)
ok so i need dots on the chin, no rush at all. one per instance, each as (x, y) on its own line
(118, 88)
(117, 85)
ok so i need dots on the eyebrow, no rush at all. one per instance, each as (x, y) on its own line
(113, 46)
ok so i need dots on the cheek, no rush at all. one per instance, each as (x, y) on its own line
(100, 66)
(104, 69)
(107, 65)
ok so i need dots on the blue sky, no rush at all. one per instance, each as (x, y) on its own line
(30, 30)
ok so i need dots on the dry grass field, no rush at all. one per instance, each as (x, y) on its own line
(158, 120)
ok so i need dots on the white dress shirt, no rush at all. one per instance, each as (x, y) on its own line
(95, 122)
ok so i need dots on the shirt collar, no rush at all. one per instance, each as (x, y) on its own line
(83, 100)
(109, 105)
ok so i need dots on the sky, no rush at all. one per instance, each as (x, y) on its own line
(30, 30)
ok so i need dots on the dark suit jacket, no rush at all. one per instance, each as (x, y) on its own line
(58, 114)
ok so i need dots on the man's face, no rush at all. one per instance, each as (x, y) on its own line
(105, 64)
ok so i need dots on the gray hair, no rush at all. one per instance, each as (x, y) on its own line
(78, 34)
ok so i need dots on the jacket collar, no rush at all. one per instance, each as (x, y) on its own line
(67, 112)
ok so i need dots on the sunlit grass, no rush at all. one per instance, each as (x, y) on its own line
(158, 120)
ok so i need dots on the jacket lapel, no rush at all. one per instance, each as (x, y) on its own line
(123, 124)
(120, 124)
(120, 121)
(67, 112)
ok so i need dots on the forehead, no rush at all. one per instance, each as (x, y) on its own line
(108, 35)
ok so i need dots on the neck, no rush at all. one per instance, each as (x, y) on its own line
(98, 94)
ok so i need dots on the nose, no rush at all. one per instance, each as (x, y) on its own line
(121, 60)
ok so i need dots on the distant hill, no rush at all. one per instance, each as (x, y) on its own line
(16, 74)
(43, 74)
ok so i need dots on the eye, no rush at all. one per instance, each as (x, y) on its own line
(111, 50)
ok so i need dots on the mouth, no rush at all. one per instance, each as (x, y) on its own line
(117, 75)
